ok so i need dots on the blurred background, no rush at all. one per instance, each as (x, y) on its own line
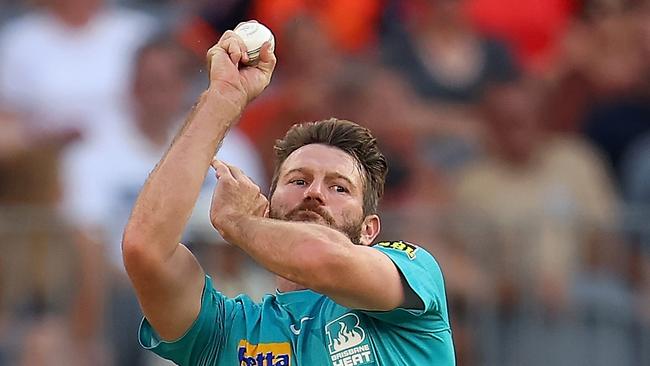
(517, 133)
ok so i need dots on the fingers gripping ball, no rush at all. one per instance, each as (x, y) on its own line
(254, 36)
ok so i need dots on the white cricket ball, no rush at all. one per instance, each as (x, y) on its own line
(254, 35)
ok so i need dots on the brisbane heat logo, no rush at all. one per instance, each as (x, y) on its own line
(264, 354)
(348, 345)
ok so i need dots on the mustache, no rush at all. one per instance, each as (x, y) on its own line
(312, 206)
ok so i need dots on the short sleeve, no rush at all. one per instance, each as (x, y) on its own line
(423, 275)
(200, 345)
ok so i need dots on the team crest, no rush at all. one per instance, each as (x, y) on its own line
(402, 246)
(347, 342)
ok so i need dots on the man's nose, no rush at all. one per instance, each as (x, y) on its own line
(315, 192)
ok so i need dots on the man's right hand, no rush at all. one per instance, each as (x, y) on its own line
(237, 82)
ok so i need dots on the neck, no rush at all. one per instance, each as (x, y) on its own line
(73, 19)
(285, 285)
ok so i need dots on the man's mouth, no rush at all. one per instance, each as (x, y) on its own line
(308, 215)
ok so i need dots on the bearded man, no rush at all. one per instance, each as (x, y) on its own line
(340, 299)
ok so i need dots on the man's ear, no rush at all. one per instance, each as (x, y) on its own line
(370, 229)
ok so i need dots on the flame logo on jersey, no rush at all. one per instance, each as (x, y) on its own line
(347, 338)
(344, 333)
(348, 345)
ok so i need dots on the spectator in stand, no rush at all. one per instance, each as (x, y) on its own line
(546, 186)
(65, 67)
(602, 79)
(531, 211)
(532, 29)
(68, 60)
(42, 256)
(433, 44)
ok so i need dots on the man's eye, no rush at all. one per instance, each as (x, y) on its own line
(299, 182)
(340, 189)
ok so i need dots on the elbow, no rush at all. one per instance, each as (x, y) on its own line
(132, 242)
(131, 236)
(132, 250)
(136, 254)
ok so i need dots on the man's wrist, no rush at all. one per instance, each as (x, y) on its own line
(229, 94)
(226, 105)
(233, 228)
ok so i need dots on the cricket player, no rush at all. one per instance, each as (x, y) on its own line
(341, 300)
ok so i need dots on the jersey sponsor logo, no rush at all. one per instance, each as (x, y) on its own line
(264, 354)
(348, 345)
(401, 246)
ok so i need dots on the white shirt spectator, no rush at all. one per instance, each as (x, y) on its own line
(102, 180)
(63, 76)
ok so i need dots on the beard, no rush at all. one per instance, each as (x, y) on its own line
(311, 211)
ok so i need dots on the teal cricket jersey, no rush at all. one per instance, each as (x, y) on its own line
(305, 328)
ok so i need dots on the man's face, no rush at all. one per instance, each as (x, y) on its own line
(512, 115)
(76, 11)
(160, 83)
(321, 184)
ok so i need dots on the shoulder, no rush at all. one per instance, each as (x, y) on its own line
(574, 150)
(409, 256)
(421, 272)
(410, 250)
(476, 175)
(576, 159)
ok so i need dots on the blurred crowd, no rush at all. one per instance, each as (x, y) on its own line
(517, 134)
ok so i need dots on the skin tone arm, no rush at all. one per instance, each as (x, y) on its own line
(315, 256)
(167, 278)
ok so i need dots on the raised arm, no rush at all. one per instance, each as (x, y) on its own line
(167, 278)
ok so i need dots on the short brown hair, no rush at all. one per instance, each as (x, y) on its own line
(348, 136)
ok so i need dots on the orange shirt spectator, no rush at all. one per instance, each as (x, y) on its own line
(533, 28)
(351, 25)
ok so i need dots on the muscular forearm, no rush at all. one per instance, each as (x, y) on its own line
(300, 252)
(169, 194)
